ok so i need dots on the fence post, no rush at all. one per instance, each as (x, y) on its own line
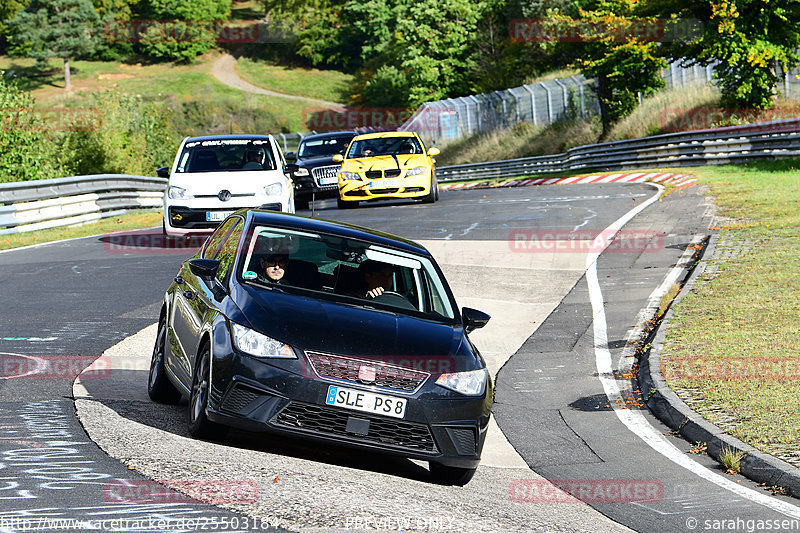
(566, 96)
(516, 104)
(549, 103)
(533, 104)
(477, 111)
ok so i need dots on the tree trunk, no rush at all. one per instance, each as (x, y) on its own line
(67, 84)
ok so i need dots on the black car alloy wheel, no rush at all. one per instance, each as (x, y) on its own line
(199, 425)
(159, 387)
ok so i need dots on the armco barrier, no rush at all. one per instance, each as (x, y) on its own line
(33, 205)
(766, 140)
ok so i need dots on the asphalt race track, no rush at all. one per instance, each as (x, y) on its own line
(557, 316)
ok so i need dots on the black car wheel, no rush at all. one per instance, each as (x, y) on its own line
(200, 426)
(159, 388)
(341, 204)
(300, 204)
(451, 475)
(431, 196)
(436, 188)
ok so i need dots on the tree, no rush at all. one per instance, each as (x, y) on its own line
(747, 40)
(625, 61)
(56, 28)
(185, 28)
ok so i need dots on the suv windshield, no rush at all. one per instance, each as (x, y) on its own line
(226, 155)
(321, 147)
(346, 270)
(384, 146)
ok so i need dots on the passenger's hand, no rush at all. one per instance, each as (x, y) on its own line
(374, 293)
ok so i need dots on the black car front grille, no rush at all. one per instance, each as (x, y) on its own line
(325, 172)
(357, 370)
(329, 421)
(374, 174)
(391, 173)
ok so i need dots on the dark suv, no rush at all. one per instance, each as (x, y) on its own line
(316, 173)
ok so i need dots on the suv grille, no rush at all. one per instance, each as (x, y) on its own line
(356, 370)
(334, 422)
(326, 172)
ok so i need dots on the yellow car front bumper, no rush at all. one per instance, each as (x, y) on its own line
(365, 189)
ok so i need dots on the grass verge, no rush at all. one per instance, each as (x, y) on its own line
(329, 85)
(735, 331)
(133, 220)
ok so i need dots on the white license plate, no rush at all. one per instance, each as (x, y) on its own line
(385, 184)
(329, 180)
(368, 402)
(217, 216)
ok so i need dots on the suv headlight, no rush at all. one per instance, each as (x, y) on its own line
(273, 190)
(258, 344)
(177, 193)
(349, 176)
(471, 383)
(301, 172)
(416, 171)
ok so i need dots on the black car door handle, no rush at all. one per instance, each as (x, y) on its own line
(188, 294)
(178, 280)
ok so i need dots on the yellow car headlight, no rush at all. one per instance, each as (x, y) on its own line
(416, 171)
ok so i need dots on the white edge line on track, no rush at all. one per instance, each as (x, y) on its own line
(40, 364)
(634, 420)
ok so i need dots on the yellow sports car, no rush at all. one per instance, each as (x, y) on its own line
(386, 165)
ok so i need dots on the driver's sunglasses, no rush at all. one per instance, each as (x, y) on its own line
(283, 262)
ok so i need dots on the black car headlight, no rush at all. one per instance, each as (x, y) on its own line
(257, 344)
(471, 383)
(301, 172)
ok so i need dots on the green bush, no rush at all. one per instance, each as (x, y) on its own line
(132, 136)
(28, 151)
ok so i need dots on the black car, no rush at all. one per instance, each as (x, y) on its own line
(315, 172)
(272, 326)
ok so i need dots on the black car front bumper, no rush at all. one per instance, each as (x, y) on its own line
(439, 425)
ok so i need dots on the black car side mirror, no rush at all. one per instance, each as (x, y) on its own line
(204, 268)
(162, 172)
(473, 319)
(291, 155)
(291, 168)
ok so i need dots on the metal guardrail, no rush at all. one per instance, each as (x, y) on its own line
(767, 140)
(34, 205)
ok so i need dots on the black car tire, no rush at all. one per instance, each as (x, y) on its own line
(159, 387)
(300, 204)
(200, 427)
(341, 204)
(436, 188)
(451, 475)
(431, 196)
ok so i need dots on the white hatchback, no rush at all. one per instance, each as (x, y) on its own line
(214, 176)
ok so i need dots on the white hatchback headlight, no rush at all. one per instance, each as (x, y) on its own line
(177, 193)
(258, 344)
(274, 190)
(416, 171)
(349, 176)
(471, 383)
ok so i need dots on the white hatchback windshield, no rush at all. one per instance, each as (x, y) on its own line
(226, 155)
(348, 270)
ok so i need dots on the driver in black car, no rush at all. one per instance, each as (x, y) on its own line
(274, 267)
(378, 277)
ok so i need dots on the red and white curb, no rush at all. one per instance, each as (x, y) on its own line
(665, 178)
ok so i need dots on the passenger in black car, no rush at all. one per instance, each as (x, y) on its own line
(274, 267)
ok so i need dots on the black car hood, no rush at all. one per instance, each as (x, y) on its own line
(314, 162)
(331, 327)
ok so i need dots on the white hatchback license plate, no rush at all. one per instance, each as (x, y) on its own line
(217, 216)
(368, 402)
(329, 180)
(385, 184)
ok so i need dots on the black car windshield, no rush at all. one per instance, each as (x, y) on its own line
(322, 147)
(384, 146)
(347, 270)
(226, 155)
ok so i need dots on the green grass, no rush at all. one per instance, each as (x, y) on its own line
(328, 85)
(747, 310)
(133, 220)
